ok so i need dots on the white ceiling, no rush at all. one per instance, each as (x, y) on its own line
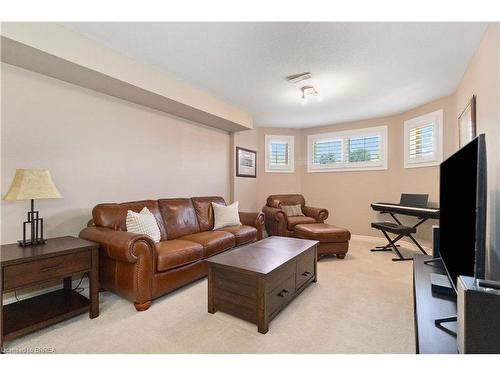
(361, 70)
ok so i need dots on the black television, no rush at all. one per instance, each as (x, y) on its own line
(462, 204)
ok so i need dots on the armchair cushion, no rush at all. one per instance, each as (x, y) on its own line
(175, 253)
(294, 210)
(242, 233)
(213, 242)
(294, 220)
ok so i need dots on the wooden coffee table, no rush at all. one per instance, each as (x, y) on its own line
(255, 282)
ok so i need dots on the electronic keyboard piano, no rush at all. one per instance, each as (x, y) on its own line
(395, 208)
(409, 205)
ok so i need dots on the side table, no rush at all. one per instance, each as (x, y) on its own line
(58, 259)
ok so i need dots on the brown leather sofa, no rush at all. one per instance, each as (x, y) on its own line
(279, 224)
(134, 267)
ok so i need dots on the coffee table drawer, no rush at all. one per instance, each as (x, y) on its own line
(19, 275)
(279, 275)
(305, 268)
(280, 295)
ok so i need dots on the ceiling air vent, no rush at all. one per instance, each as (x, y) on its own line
(296, 78)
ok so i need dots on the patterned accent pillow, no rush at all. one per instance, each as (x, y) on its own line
(143, 222)
(225, 216)
(295, 210)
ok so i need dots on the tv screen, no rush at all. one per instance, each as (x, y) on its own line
(462, 202)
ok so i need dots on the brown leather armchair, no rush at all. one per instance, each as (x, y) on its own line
(136, 268)
(279, 224)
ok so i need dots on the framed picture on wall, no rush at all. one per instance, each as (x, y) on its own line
(467, 123)
(246, 162)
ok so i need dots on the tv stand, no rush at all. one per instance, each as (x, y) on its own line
(432, 260)
(439, 324)
(429, 308)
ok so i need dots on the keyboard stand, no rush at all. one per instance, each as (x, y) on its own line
(391, 245)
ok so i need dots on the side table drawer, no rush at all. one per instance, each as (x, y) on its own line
(19, 275)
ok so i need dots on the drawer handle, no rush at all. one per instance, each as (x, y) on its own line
(283, 293)
(52, 268)
(307, 273)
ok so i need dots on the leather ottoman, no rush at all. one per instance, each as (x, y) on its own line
(332, 240)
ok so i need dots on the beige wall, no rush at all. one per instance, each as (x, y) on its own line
(482, 78)
(252, 192)
(99, 149)
(244, 189)
(279, 183)
(348, 195)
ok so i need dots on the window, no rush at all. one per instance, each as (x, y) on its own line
(364, 149)
(327, 151)
(279, 153)
(357, 149)
(423, 144)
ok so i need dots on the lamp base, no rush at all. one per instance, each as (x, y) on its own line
(35, 223)
(26, 243)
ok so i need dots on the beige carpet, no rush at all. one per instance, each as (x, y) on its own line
(361, 304)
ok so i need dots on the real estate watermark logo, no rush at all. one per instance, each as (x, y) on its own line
(26, 350)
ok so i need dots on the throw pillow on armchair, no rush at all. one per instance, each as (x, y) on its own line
(295, 210)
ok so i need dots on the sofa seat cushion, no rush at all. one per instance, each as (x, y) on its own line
(176, 253)
(213, 241)
(294, 220)
(242, 233)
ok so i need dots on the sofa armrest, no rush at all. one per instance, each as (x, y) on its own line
(276, 221)
(318, 214)
(254, 219)
(120, 245)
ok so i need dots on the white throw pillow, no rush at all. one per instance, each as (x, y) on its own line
(225, 216)
(143, 222)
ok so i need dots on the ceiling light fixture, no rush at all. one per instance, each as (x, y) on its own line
(308, 91)
(296, 78)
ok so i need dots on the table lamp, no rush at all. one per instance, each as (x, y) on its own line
(32, 184)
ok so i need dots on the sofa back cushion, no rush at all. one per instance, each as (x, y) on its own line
(205, 212)
(114, 215)
(179, 216)
(279, 200)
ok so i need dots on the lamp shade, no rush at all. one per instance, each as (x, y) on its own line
(32, 184)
